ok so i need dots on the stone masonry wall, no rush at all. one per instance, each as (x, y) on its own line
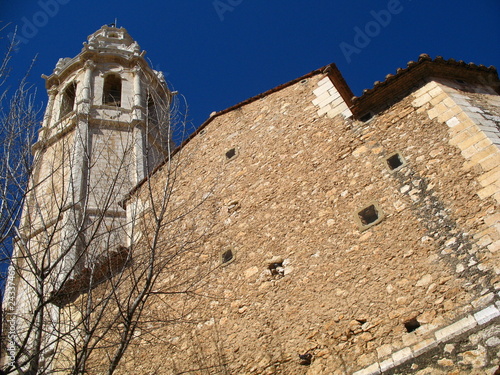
(308, 278)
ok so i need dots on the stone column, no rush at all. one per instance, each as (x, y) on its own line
(139, 131)
(86, 92)
(47, 119)
(138, 102)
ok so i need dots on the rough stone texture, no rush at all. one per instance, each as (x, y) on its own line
(472, 353)
(345, 294)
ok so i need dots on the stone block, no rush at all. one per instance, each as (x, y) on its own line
(494, 247)
(475, 116)
(469, 152)
(485, 153)
(483, 300)
(347, 113)
(484, 241)
(324, 87)
(402, 356)
(483, 144)
(455, 329)
(337, 101)
(423, 346)
(438, 110)
(384, 350)
(453, 111)
(488, 191)
(439, 99)
(386, 365)
(488, 123)
(486, 315)
(449, 102)
(490, 177)
(421, 100)
(463, 125)
(337, 110)
(471, 141)
(453, 122)
(329, 99)
(492, 219)
(370, 370)
(324, 81)
(436, 91)
(433, 113)
(321, 97)
(486, 128)
(324, 110)
(491, 162)
(424, 89)
(460, 137)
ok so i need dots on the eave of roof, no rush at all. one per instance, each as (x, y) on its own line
(417, 72)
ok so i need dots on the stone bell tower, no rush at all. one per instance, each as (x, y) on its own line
(106, 126)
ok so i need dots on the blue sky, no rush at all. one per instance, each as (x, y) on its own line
(220, 52)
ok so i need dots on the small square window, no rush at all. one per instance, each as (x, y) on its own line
(368, 216)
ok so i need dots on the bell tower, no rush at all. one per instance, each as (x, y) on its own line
(107, 125)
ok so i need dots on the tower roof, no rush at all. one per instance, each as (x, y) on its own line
(107, 44)
(112, 39)
(106, 40)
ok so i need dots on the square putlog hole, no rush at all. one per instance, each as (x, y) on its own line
(368, 216)
(395, 162)
(227, 256)
(411, 325)
(231, 154)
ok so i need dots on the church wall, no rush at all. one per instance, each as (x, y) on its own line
(343, 292)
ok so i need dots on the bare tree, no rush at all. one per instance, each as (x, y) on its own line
(87, 260)
(19, 117)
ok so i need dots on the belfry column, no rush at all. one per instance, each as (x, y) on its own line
(139, 131)
(87, 81)
(47, 119)
(81, 144)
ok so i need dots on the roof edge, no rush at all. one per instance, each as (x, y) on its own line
(406, 79)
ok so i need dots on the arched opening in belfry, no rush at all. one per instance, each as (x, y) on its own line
(68, 99)
(152, 110)
(112, 90)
